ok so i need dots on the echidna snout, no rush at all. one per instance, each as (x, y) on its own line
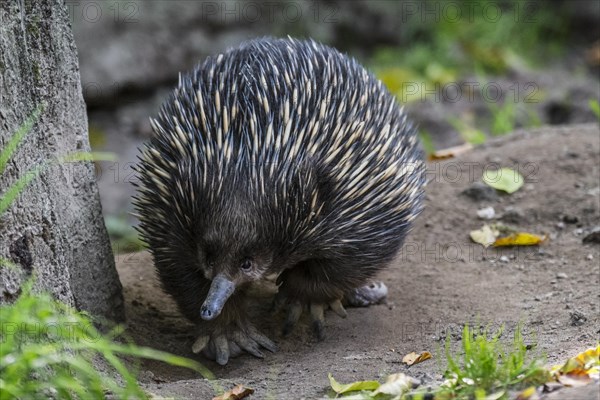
(221, 289)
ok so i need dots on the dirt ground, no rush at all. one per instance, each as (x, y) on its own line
(440, 281)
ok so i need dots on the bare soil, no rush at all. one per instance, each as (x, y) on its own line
(440, 281)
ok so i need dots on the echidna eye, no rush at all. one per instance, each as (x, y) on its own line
(246, 265)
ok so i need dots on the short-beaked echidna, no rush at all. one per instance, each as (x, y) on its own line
(283, 157)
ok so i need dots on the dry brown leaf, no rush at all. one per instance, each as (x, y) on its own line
(574, 379)
(450, 152)
(520, 239)
(236, 393)
(414, 358)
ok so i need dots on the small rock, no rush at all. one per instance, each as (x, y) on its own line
(577, 231)
(513, 215)
(594, 192)
(486, 213)
(593, 236)
(570, 219)
(561, 275)
(589, 257)
(504, 259)
(479, 191)
(571, 154)
(577, 318)
(560, 225)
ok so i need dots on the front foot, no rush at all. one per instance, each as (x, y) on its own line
(231, 341)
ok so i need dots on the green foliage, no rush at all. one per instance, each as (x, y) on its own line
(48, 349)
(13, 191)
(18, 137)
(595, 107)
(467, 132)
(487, 37)
(486, 367)
(123, 236)
(426, 141)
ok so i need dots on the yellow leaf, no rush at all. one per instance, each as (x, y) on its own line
(351, 387)
(520, 239)
(414, 358)
(527, 394)
(236, 393)
(585, 361)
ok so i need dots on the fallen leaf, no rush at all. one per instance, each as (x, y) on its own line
(528, 394)
(236, 393)
(505, 179)
(495, 396)
(397, 384)
(574, 379)
(520, 239)
(450, 152)
(485, 236)
(414, 358)
(585, 361)
(580, 370)
(351, 387)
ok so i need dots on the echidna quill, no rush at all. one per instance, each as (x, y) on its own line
(280, 157)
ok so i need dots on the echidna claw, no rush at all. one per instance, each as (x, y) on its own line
(317, 315)
(262, 340)
(338, 308)
(221, 349)
(294, 313)
(200, 344)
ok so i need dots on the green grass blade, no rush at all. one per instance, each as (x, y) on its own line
(17, 138)
(16, 188)
(88, 156)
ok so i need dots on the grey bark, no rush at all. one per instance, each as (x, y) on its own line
(54, 230)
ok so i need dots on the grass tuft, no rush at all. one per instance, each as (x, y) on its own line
(51, 350)
(486, 368)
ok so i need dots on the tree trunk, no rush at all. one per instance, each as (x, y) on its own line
(54, 230)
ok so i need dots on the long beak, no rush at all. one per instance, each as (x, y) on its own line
(220, 290)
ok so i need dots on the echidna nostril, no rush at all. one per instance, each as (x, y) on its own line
(205, 312)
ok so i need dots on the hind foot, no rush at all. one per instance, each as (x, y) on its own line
(231, 341)
(317, 313)
(366, 295)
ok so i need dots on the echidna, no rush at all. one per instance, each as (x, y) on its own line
(280, 157)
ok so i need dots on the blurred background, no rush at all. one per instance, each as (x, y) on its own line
(465, 70)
